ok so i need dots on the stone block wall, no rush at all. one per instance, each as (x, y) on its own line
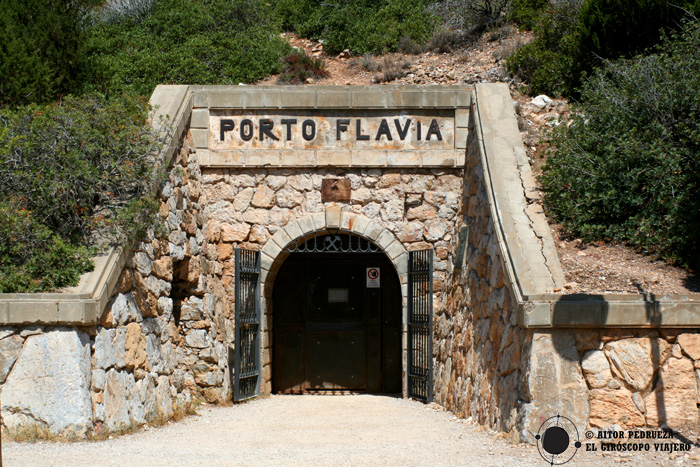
(641, 378)
(479, 347)
(165, 337)
(163, 341)
(245, 207)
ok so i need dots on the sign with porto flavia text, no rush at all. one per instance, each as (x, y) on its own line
(350, 129)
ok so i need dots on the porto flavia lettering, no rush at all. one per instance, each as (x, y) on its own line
(265, 128)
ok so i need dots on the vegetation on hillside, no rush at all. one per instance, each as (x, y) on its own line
(184, 42)
(628, 167)
(68, 170)
(576, 36)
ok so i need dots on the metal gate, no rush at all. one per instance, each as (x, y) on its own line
(420, 325)
(247, 344)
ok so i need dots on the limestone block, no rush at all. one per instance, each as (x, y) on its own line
(165, 307)
(143, 263)
(116, 400)
(110, 348)
(422, 213)
(257, 216)
(690, 343)
(98, 379)
(147, 390)
(158, 287)
(634, 361)
(234, 232)
(163, 268)
(198, 338)
(276, 181)
(301, 182)
(674, 399)
(372, 210)
(10, 348)
(614, 407)
(264, 197)
(154, 354)
(124, 309)
(209, 378)
(361, 196)
(135, 347)
(242, 200)
(164, 400)
(435, 230)
(393, 210)
(224, 251)
(553, 383)
(596, 369)
(50, 383)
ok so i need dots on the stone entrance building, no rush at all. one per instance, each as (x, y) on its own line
(345, 239)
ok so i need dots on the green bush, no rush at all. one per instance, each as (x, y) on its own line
(574, 36)
(72, 173)
(32, 257)
(363, 26)
(186, 42)
(41, 49)
(551, 64)
(628, 167)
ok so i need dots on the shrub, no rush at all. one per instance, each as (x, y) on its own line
(392, 68)
(573, 36)
(551, 64)
(470, 17)
(70, 173)
(298, 67)
(187, 42)
(363, 26)
(628, 167)
(41, 49)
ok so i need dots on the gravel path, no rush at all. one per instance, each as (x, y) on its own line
(360, 430)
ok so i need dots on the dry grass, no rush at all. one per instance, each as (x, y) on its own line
(392, 67)
(39, 432)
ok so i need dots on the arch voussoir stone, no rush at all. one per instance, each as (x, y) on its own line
(333, 218)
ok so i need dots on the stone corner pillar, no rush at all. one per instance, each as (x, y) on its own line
(552, 384)
(49, 385)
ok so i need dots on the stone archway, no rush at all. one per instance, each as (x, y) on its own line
(331, 220)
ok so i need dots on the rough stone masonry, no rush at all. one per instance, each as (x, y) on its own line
(439, 168)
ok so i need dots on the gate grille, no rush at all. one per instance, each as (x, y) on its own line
(420, 325)
(247, 306)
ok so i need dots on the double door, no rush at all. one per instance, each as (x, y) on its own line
(333, 329)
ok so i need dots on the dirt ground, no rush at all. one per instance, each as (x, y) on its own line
(358, 430)
(588, 268)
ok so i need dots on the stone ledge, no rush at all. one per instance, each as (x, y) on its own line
(333, 97)
(611, 311)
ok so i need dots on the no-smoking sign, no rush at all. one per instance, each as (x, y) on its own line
(372, 278)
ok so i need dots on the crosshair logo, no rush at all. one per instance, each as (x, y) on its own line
(557, 440)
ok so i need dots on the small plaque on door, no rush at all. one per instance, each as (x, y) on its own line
(337, 295)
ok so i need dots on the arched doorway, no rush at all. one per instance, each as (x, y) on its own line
(334, 327)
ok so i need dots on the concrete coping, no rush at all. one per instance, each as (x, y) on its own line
(84, 303)
(333, 97)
